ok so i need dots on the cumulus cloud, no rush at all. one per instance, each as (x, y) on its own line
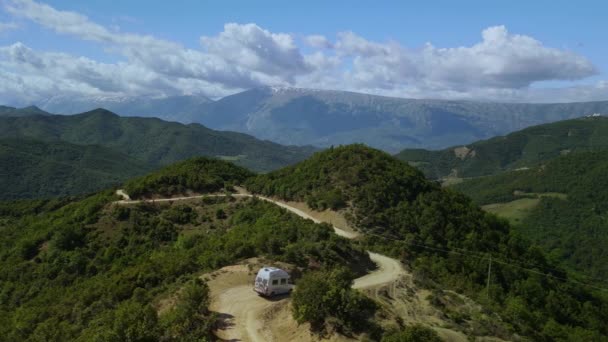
(318, 41)
(501, 65)
(258, 50)
(500, 60)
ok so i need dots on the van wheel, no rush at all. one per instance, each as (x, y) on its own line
(271, 294)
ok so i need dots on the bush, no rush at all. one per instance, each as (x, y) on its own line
(190, 320)
(414, 333)
(326, 296)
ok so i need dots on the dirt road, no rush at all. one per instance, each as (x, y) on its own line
(389, 270)
(243, 309)
(241, 312)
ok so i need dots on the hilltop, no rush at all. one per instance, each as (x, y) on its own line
(98, 270)
(152, 141)
(37, 169)
(442, 236)
(563, 204)
(198, 175)
(519, 150)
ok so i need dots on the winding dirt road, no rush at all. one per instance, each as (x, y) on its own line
(243, 308)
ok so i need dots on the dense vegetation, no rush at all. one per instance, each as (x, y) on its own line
(36, 169)
(419, 221)
(326, 298)
(152, 141)
(202, 175)
(94, 271)
(525, 148)
(414, 333)
(572, 228)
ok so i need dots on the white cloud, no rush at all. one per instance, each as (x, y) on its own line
(256, 49)
(5, 27)
(500, 60)
(318, 42)
(501, 66)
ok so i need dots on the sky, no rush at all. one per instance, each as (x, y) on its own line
(492, 50)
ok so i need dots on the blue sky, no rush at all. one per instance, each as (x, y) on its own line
(532, 51)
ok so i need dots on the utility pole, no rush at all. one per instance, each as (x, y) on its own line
(488, 283)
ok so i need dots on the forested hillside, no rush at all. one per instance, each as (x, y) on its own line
(37, 169)
(95, 271)
(199, 175)
(526, 148)
(573, 227)
(444, 237)
(152, 141)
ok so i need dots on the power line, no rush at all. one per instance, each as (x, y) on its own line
(476, 255)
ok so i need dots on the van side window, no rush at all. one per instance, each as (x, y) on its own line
(275, 282)
(283, 281)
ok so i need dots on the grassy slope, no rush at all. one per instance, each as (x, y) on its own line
(35, 169)
(389, 198)
(524, 148)
(152, 141)
(572, 227)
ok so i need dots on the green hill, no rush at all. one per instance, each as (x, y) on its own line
(201, 175)
(36, 169)
(521, 149)
(96, 271)
(444, 238)
(571, 226)
(152, 141)
(91, 270)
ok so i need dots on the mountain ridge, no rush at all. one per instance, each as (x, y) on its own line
(306, 116)
(152, 140)
(517, 150)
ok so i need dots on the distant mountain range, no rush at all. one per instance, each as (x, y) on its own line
(296, 116)
(518, 150)
(174, 108)
(6, 111)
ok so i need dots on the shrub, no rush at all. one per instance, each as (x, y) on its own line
(414, 333)
(326, 296)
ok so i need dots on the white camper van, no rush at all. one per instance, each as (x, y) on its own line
(272, 281)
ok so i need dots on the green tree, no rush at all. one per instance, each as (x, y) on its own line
(135, 322)
(322, 295)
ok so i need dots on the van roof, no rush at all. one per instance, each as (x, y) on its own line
(267, 271)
